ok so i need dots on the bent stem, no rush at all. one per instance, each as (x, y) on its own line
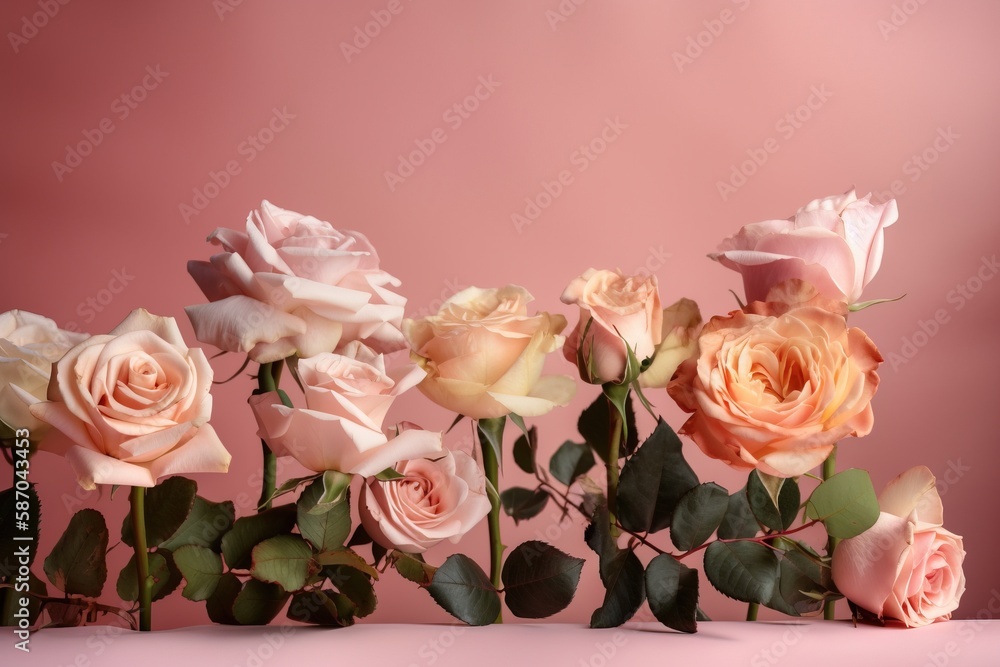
(491, 466)
(829, 470)
(137, 499)
(268, 376)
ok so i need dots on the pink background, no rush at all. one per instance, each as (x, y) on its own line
(887, 92)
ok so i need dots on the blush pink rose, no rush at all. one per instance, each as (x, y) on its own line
(834, 243)
(484, 354)
(776, 391)
(292, 284)
(907, 566)
(347, 397)
(29, 345)
(134, 405)
(440, 499)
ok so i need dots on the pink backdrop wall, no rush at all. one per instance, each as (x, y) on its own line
(880, 94)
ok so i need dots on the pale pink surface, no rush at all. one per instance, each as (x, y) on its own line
(111, 231)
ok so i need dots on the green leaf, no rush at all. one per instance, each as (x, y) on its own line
(11, 526)
(167, 506)
(653, 481)
(326, 608)
(346, 557)
(77, 564)
(356, 585)
(389, 474)
(335, 487)
(462, 589)
(570, 461)
(219, 604)
(524, 451)
(739, 520)
(773, 500)
(595, 427)
(285, 560)
(204, 526)
(521, 503)
(202, 569)
(621, 573)
(845, 503)
(698, 513)
(326, 531)
(412, 567)
(800, 588)
(861, 305)
(249, 531)
(258, 603)
(744, 571)
(288, 486)
(672, 588)
(166, 577)
(539, 580)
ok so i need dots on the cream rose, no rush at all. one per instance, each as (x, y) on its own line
(347, 396)
(679, 340)
(440, 499)
(907, 566)
(292, 284)
(29, 345)
(834, 243)
(134, 406)
(484, 354)
(776, 392)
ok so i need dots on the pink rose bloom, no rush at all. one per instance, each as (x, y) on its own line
(292, 284)
(29, 345)
(775, 391)
(347, 397)
(436, 500)
(907, 566)
(134, 405)
(834, 243)
(484, 354)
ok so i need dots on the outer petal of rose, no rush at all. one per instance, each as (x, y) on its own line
(203, 452)
(326, 300)
(141, 319)
(93, 468)
(145, 448)
(59, 416)
(271, 424)
(574, 290)
(863, 224)
(238, 323)
(913, 490)
(678, 343)
(548, 392)
(213, 283)
(378, 526)
(865, 567)
(794, 462)
(265, 353)
(761, 271)
(466, 398)
(16, 399)
(410, 444)
(835, 203)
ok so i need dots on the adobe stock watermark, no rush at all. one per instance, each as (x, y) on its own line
(121, 108)
(454, 117)
(968, 630)
(696, 44)
(451, 287)
(958, 298)
(579, 161)
(562, 12)
(786, 126)
(899, 16)
(777, 650)
(32, 24)
(918, 164)
(364, 33)
(246, 152)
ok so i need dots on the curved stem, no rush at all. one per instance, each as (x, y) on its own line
(137, 500)
(829, 470)
(491, 467)
(268, 376)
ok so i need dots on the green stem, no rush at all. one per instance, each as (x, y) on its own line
(138, 501)
(752, 609)
(829, 470)
(614, 445)
(268, 377)
(491, 467)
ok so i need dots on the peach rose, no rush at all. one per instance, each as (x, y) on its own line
(440, 499)
(679, 340)
(134, 406)
(29, 345)
(907, 566)
(834, 243)
(484, 354)
(293, 284)
(776, 392)
(347, 397)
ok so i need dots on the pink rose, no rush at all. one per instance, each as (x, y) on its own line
(293, 284)
(440, 499)
(347, 396)
(29, 345)
(834, 243)
(134, 406)
(483, 354)
(907, 566)
(776, 391)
